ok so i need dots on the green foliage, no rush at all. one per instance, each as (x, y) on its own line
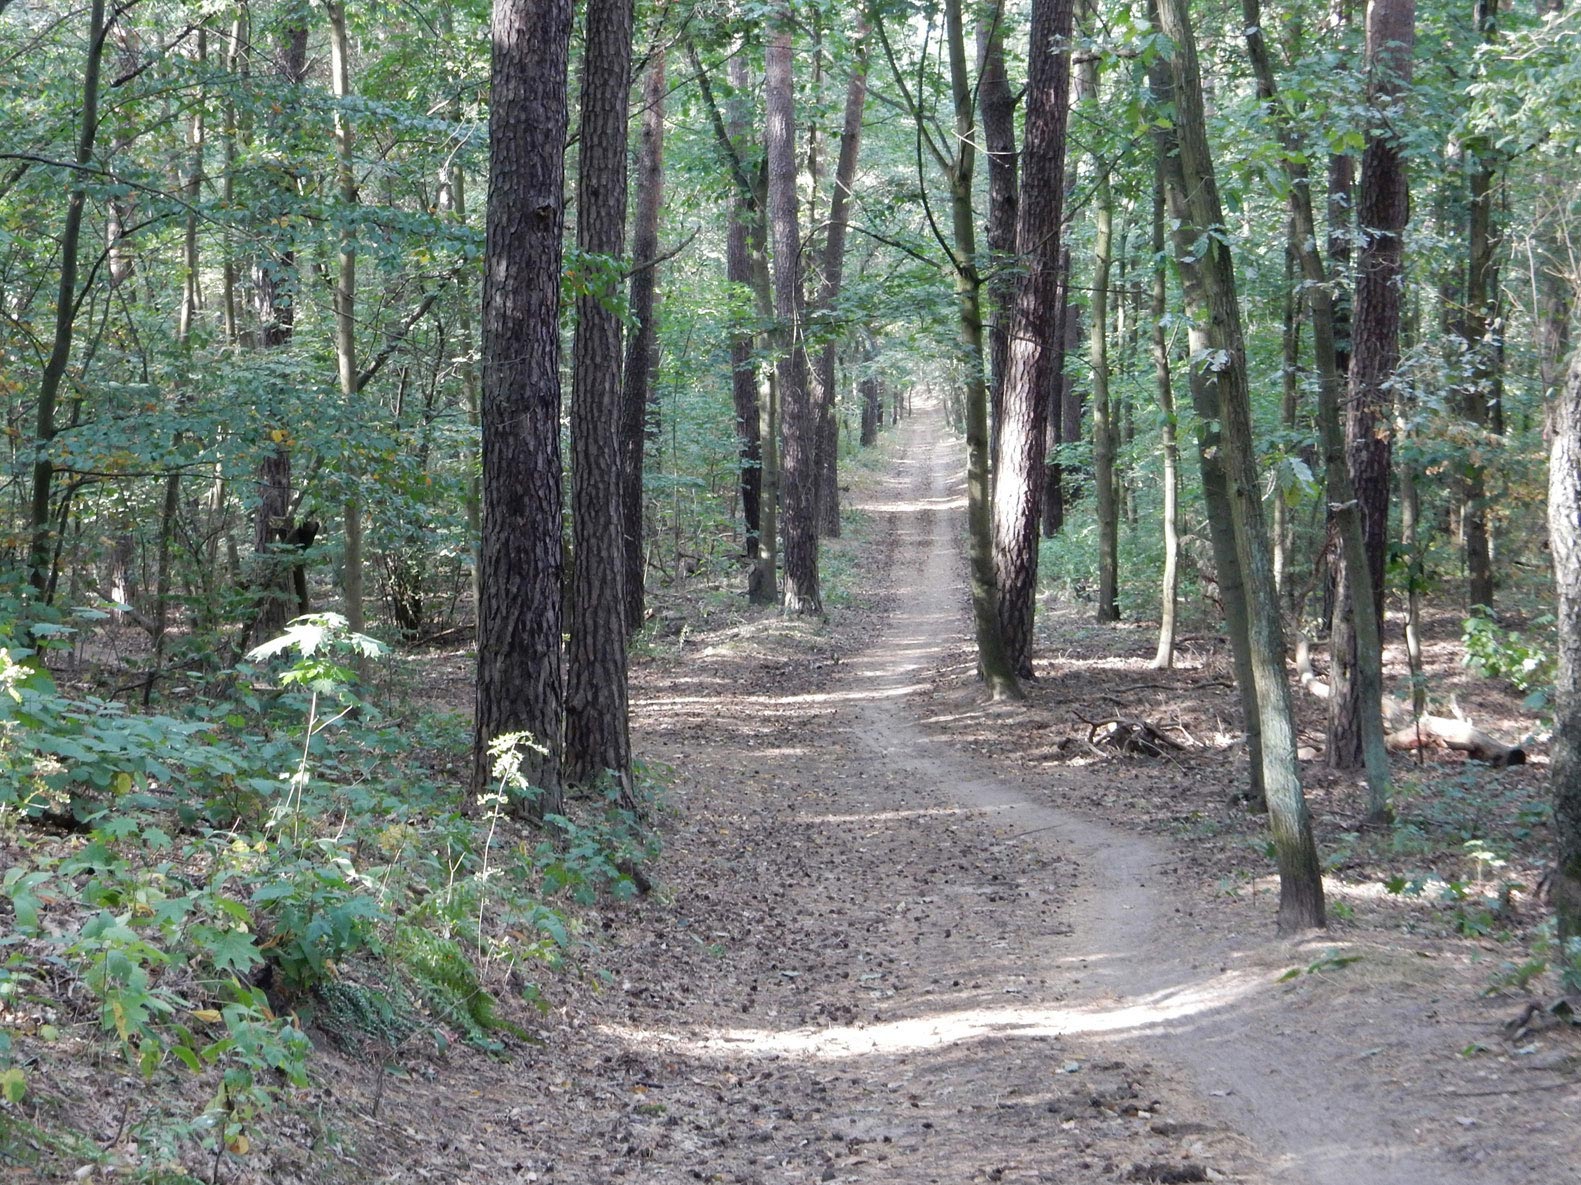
(308, 868)
(1495, 652)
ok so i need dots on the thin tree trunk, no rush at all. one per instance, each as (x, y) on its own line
(42, 550)
(191, 293)
(1033, 329)
(1209, 282)
(1366, 667)
(1290, 384)
(597, 729)
(519, 663)
(829, 292)
(642, 349)
(1105, 507)
(346, 295)
(1169, 583)
(1064, 407)
(1476, 331)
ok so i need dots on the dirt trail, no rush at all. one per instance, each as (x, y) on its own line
(879, 960)
(1140, 973)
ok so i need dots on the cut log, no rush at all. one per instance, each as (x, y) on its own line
(1408, 733)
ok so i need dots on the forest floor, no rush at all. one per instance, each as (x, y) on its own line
(901, 936)
(906, 937)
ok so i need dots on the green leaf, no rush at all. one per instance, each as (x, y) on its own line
(13, 1085)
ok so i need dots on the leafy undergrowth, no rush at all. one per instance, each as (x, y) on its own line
(195, 903)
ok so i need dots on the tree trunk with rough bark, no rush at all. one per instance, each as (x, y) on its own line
(997, 103)
(642, 349)
(1032, 331)
(799, 429)
(597, 729)
(825, 395)
(519, 603)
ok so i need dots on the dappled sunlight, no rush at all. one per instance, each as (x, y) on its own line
(677, 703)
(939, 1030)
(898, 816)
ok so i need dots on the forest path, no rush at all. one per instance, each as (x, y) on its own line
(878, 957)
(1129, 967)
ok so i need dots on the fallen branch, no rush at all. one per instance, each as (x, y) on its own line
(1406, 732)
(1129, 736)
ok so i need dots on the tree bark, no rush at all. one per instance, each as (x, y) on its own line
(1477, 330)
(997, 104)
(1105, 504)
(993, 659)
(800, 423)
(829, 292)
(1033, 328)
(642, 349)
(346, 296)
(1209, 282)
(275, 288)
(597, 730)
(41, 551)
(519, 617)
(1382, 212)
(1169, 582)
(1564, 536)
(1360, 632)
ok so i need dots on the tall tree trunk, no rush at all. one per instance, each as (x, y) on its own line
(1064, 412)
(41, 551)
(346, 294)
(238, 64)
(191, 298)
(1383, 210)
(752, 388)
(1103, 443)
(1340, 219)
(993, 660)
(800, 423)
(1290, 388)
(1477, 330)
(1564, 534)
(275, 291)
(1209, 281)
(1105, 505)
(1033, 328)
(1169, 583)
(829, 292)
(519, 663)
(642, 350)
(997, 103)
(1366, 668)
(597, 729)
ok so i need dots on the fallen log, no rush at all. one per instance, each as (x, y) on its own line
(1405, 732)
